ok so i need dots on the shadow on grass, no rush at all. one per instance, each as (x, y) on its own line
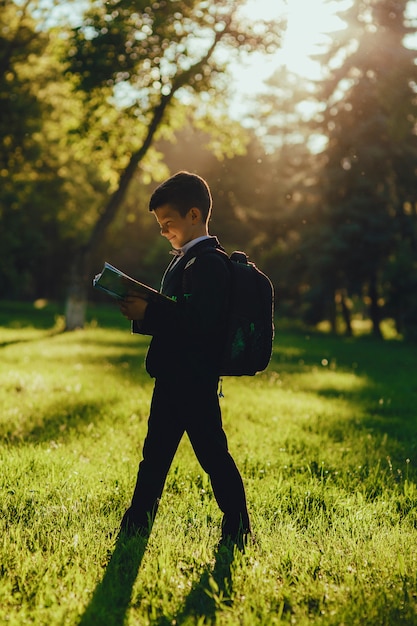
(59, 423)
(44, 314)
(213, 592)
(383, 405)
(57, 330)
(111, 600)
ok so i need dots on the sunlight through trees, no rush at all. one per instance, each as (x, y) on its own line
(313, 175)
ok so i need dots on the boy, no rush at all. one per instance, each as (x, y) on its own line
(183, 357)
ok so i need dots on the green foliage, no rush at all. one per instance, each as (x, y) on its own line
(81, 106)
(85, 100)
(142, 64)
(151, 45)
(368, 174)
(326, 442)
(49, 187)
(21, 155)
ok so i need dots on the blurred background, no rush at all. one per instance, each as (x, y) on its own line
(301, 115)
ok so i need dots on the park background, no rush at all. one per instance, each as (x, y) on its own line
(314, 176)
(312, 166)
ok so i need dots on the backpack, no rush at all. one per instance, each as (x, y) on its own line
(250, 320)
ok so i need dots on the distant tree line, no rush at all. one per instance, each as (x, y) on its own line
(96, 112)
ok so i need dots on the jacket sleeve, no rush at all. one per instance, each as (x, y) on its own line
(155, 315)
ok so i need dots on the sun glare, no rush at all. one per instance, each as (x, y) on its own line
(309, 25)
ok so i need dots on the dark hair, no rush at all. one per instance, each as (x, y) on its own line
(183, 191)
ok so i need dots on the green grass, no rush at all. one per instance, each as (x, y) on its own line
(326, 440)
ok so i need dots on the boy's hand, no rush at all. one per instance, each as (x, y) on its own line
(133, 308)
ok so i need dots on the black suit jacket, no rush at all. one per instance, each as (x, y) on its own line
(187, 337)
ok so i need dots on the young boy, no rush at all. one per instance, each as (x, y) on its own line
(183, 357)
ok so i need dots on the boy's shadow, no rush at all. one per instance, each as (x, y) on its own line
(112, 597)
(211, 593)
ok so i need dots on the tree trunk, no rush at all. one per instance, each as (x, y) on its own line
(333, 314)
(374, 310)
(76, 304)
(346, 314)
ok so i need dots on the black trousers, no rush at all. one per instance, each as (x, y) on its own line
(191, 406)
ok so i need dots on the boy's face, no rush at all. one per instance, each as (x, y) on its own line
(177, 229)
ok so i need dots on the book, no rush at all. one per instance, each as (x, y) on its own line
(119, 285)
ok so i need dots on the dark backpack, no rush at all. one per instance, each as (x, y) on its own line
(250, 323)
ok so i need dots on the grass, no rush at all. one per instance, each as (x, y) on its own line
(326, 441)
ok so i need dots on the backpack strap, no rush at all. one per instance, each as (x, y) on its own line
(187, 271)
(237, 256)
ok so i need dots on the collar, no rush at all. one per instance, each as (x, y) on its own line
(179, 252)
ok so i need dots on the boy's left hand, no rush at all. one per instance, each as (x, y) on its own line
(133, 308)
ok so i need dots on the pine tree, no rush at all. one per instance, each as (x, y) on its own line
(368, 182)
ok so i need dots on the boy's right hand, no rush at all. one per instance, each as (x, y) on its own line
(133, 308)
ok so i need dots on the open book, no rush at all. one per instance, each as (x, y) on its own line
(119, 285)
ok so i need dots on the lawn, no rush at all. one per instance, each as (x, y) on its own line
(326, 440)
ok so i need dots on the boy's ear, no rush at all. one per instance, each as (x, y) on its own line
(195, 214)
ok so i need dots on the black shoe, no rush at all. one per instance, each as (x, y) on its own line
(129, 527)
(240, 541)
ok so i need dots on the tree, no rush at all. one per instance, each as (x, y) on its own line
(368, 181)
(288, 169)
(20, 147)
(141, 62)
(44, 172)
